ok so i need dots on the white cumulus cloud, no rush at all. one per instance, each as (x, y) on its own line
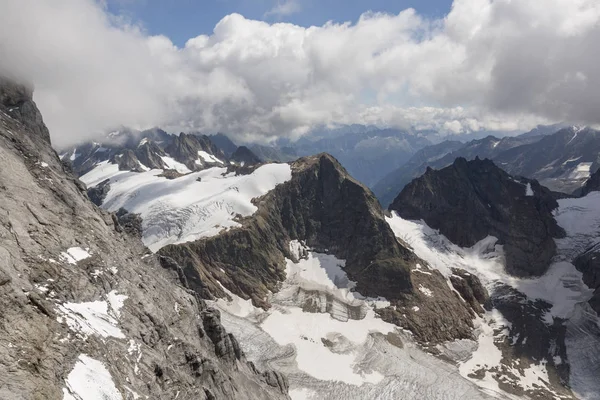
(488, 64)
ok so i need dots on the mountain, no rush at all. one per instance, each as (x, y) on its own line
(562, 161)
(295, 265)
(368, 156)
(470, 200)
(143, 150)
(244, 156)
(441, 155)
(504, 228)
(314, 278)
(391, 184)
(224, 143)
(543, 130)
(553, 159)
(87, 311)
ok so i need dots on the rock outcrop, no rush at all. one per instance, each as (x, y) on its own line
(592, 184)
(471, 200)
(589, 264)
(184, 148)
(150, 154)
(74, 289)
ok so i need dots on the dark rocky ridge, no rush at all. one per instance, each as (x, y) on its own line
(589, 264)
(331, 212)
(470, 200)
(592, 184)
(244, 155)
(184, 148)
(139, 151)
(224, 143)
(44, 212)
(149, 154)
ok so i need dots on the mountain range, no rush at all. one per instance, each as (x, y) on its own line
(149, 265)
(562, 160)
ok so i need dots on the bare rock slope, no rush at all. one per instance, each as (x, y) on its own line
(84, 307)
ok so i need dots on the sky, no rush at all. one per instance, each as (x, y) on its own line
(259, 70)
(184, 19)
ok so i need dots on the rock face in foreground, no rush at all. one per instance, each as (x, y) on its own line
(74, 289)
(469, 200)
(330, 212)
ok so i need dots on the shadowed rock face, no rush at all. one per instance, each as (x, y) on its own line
(244, 155)
(592, 184)
(150, 154)
(470, 200)
(331, 213)
(184, 148)
(172, 344)
(589, 264)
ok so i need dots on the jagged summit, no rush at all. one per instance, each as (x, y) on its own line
(470, 200)
(244, 156)
(141, 151)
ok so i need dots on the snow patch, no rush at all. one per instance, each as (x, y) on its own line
(90, 380)
(94, 317)
(171, 163)
(528, 190)
(209, 158)
(74, 254)
(426, 291)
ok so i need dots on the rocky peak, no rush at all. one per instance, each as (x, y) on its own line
(244, 155)
(185, 147)
(323, 207)
(149, 154)
(470, 200)
(224, 143)
(17, 101)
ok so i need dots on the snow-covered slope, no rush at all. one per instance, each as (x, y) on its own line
(561, 290)
(330, 343)
(189, 207)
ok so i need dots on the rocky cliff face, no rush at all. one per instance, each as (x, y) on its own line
(185, 147)
(589, 264)
(470, 200)
(592, 184)
(85, 308)
(244, 155)
(330, 212)
(150, 149)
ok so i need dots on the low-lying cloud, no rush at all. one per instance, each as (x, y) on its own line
(487, 65)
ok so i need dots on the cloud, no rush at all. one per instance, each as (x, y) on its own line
(283, 8)
(497, 64)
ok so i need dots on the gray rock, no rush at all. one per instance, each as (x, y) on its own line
(470, 200)
(98, 193)
(158, 319)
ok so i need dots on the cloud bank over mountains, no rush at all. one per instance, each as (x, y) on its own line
(497, 64)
